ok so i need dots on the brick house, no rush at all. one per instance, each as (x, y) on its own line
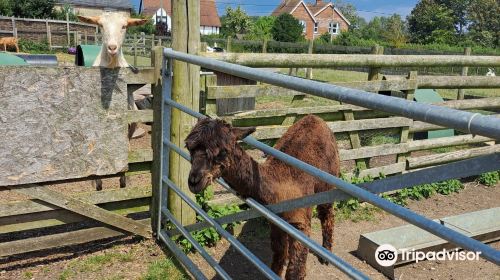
(317, 18)
(209, 18)
(96, 7)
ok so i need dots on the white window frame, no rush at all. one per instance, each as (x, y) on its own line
(333, 26)
(304, 25)
(316, 27)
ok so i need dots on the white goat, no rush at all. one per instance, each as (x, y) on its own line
(114, 26)
(491, 72)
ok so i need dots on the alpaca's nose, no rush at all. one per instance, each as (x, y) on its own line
(194, 180)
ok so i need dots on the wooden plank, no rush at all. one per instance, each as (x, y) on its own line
(61, 123)
(60, 240)
(355, 60)
(142, 155)
(85, 209)
(423, 161)
(368, 152)
(267, 113)
(142, 116)
(419, 126)
(142, 76)
(45, 219)
(376, 171)
(274, 132)
(427, 144)
(217, 92)
(100, 197)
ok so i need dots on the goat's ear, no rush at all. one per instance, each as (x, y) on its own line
(91, 20)
(242, 132)
(137, 21)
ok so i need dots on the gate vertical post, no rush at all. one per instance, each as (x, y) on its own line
(186, 91)
(156, 139)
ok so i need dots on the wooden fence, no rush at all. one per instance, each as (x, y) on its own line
(69, 127)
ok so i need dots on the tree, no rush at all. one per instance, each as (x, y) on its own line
(286, 28)
(33, 8)
(395, 31)
(148, 28)
(5, 8)
(235, 22)
(66, 10)
(261, 28)
(430, 22)
(459, 11)
(349, 11)
(485, 22)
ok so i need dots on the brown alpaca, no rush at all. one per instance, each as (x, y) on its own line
(215, 153)
(9, 42)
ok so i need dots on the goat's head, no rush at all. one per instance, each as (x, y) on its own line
(114, 26)
(211, 145)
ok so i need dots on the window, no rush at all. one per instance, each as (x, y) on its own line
(303, 23)
(316, 27)
(333, 27)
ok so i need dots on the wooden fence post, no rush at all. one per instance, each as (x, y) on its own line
(465, 70)
(135, 50)
(406, 136)
(156, 138)
(374, 72)
(228, 44)
(186, 91)
(67, 30)
(86, 35)
(49, 37)
(309, 71)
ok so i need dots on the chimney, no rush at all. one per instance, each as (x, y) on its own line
(319, 2)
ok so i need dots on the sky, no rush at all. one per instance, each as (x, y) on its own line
(366, 8)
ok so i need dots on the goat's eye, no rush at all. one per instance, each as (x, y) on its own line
(124, 27)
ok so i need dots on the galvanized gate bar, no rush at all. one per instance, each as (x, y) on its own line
(473, 123)
(469, 167)
(196, 245)
(237, 244)
(401, 212)
(454, 237)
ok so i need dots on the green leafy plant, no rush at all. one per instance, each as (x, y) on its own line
(424, 191)
(34, 47)
(209, 237)
(490, 178)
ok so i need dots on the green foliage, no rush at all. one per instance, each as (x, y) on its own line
(349, 11)
(209, 236)
(60, 14)
(395, 32)
(234, 22)
(164, 269)
(5, 8)
(261, 29)
(419, 192)
(148, 28)
(286, 28)
(484, 22)
(32, 8)
(29, 46)
(490, 178)
(325, 38)
(430, 22)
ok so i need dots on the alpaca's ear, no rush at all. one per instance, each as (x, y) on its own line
(242, 132)
(136, 21)
(90, 20)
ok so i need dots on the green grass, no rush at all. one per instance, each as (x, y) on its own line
(452, 93)
(95, 264)
(164, 269)
(28, 275)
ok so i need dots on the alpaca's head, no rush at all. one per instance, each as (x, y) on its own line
(114, 26)
(211, 145)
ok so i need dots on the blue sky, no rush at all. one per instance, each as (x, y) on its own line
(366, 8)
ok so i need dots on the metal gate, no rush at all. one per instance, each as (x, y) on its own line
(465, 121)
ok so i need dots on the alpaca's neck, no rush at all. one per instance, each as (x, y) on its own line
(243, 175)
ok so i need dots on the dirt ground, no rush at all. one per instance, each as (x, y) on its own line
(107, 260)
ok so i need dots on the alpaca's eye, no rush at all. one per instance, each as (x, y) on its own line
(222, 155)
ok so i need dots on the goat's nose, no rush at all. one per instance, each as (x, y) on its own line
(112, 47)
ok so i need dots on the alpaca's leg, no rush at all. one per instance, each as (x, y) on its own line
(279, 246)
(325, 215)
(297, 263)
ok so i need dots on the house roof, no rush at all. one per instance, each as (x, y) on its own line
(116, 4)
(288, 6)
(208, 11)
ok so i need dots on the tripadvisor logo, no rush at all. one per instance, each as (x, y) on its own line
(386, 255)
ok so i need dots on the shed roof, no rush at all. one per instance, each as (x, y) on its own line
(116, 4)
